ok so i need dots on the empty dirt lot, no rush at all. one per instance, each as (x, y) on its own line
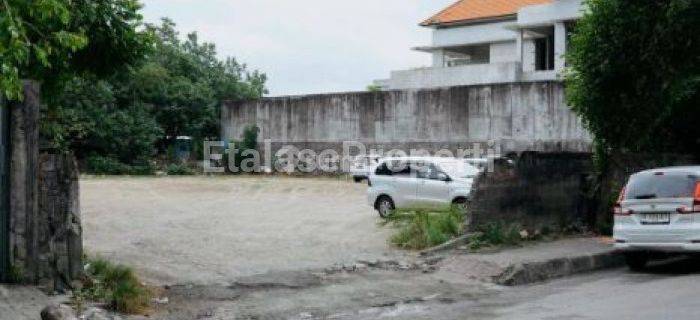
(208, 230)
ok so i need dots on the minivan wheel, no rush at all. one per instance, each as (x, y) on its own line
(636, 261)
(357, 179)
(385, 206)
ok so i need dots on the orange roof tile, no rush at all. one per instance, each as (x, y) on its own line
(468, 10)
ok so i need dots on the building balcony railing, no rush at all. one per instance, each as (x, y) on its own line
(472, 74)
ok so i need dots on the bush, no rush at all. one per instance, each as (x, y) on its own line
(141, 169)
(249, 142)
(114, 285)
(637, 91)
(110, 166)
(179, 170)
(420, 229)
(106, 165)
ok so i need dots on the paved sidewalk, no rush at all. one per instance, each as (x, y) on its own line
(535, 262)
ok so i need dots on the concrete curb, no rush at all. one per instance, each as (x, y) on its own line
(538, 271)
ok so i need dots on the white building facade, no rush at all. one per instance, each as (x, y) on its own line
(525, 41)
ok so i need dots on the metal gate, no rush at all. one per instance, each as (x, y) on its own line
(4, 190)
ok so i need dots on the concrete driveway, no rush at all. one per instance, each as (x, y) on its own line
(207, 230)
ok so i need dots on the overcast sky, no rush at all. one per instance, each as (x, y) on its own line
(309, 46)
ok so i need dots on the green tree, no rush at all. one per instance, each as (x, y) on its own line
(175, 90)
(186, 82)
(86, 118)
(635, 74)
(49, 40)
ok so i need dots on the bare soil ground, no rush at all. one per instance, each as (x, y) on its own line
(209, 230)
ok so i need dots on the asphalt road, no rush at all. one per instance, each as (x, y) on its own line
(665, 291)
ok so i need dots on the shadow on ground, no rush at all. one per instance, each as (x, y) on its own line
(681, 265)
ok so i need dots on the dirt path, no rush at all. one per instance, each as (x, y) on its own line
(210, 230)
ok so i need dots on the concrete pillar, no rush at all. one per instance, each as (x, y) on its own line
(45, 234)
(4, 191)
(439, 58)
(559, 46)
(24, 154)
(519, 46)
(519, 54)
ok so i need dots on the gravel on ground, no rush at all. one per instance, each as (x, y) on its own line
(214, 229)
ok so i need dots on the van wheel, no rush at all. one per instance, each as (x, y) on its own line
(636, 261)
(357, 179)
(385, 206)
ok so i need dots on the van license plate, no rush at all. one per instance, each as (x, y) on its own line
(656, 218)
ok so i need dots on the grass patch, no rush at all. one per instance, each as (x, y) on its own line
(420, 229)
(114, 285)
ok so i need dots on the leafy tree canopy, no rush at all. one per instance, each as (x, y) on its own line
(184, 81)
(47, 40)
(175, 90)
(635, 74)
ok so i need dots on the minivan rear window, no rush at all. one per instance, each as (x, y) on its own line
(661, 185)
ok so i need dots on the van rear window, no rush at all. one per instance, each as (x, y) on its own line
(666, 185)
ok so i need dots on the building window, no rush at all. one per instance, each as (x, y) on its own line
(544, 53)
(459, 56)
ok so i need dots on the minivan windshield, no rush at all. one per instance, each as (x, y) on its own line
(459, 169)
(661, 185)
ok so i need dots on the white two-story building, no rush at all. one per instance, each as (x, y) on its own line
(493, 41)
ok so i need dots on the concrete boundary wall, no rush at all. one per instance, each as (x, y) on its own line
(542, 190)
(518, 116)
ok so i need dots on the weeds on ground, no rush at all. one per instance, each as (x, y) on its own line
(115, 285)
(496, 234)
(420, 229)
(500, 233)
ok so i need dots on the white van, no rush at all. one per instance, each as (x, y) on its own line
(658, 211)
(418, 182)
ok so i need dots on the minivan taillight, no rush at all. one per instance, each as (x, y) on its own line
(617, 208)
(696, 202)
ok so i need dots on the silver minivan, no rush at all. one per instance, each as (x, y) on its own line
(658, 211)
(420, 182)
